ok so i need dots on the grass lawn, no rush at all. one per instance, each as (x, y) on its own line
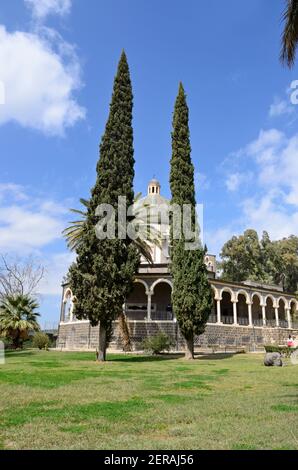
(54, 400)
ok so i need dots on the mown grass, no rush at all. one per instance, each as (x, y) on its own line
(54, 400)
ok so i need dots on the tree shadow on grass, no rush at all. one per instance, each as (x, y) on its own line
(144, 358)
(215, 356)
(18, 353)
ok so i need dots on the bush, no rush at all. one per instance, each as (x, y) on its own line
(40, 341)
(158, 343)
(284, 350)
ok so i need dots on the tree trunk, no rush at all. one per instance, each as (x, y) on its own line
(189, 352)
(124, 332)
(102, 344)
(16, 341)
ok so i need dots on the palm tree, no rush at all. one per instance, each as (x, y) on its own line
(290, 34)
(18, 316)
(150, 236)
(74, 233)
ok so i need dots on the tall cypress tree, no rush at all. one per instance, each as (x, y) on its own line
(192, 294)
(102, 276)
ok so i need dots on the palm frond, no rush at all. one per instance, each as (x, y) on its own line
(290, 33)
(148, 235)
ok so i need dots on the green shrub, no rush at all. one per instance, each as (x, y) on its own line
(284, 350)
(158, 343)
(40, 341)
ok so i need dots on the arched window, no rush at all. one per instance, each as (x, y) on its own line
(67, 306)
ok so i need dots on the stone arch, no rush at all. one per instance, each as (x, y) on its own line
(67, 294)
(244, 293)
(285, 301)
(270, 296)
(215, 291)
(161, 300)
(226, 306)
(136, 305)
(141, 281)
(67, 306)
(229, 290)
(160, 281)
(242, 307)
(282, 305)
(257, 314)
(270, 303)
(260, 297)
(293, 304)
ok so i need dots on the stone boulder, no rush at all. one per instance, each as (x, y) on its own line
(273, 359)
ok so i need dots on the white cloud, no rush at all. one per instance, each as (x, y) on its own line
(277, 163)
(263, 147)
(43, 8)
(2, 93)
(14, 190)
(55, 270)
(41, 74)
(272, 160)
(233, 181)
(28, 224)
(280, 107)
(266, 213)
(201, 181)
(217, 238)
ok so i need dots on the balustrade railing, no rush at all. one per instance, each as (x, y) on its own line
(283, 323)
(158, 315)
(212, 319)
(162, 316)
(271, 323)
(136, 316)
(257, 322)
(227, 320)
(242, 321)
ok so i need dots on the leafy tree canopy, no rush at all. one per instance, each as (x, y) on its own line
(247, 257)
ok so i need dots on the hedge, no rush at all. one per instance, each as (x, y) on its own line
(284, 350)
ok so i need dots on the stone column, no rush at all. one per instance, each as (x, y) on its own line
(149, 295)
(235, 311)
(250, 314)
(218, 311)
(276, 316)
(264, 314)
(288, 312)
(62, 316)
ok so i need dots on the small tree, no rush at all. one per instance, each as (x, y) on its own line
(192, 294)
(19, 275)
(18, 316)
(41, 340)
(158, 343)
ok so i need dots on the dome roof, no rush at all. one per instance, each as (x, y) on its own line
(154, 182)
(153, 204)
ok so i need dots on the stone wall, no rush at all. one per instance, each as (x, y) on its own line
(81, 336)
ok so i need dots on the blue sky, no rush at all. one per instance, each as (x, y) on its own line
(57, 63)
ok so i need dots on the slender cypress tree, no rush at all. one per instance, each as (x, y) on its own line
(102, 276)
(192, 294)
